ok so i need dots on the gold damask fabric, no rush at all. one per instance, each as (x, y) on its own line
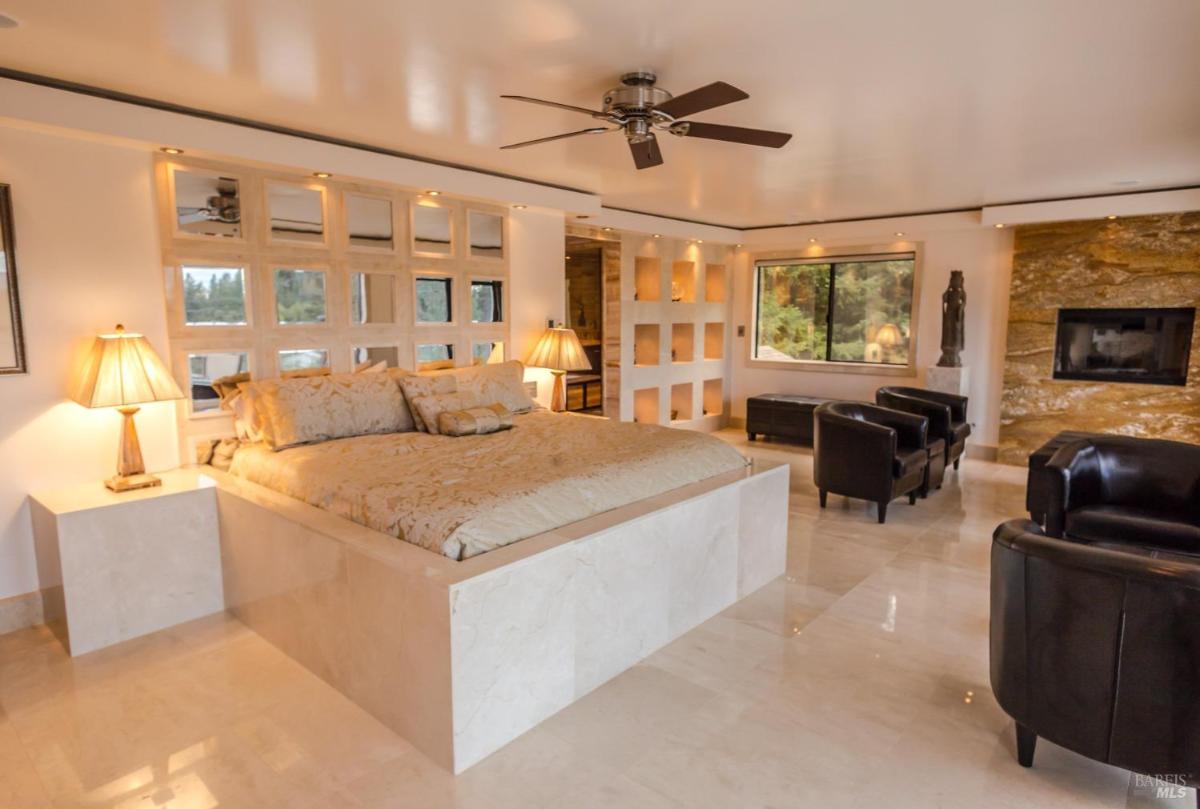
(416, 386)
(475, 421)
(464, 496)
(502, 383)
(307, 410)
(430, 407)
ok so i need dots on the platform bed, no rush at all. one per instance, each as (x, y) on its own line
(462, 657)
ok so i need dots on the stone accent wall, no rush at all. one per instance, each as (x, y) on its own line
(1144, 261)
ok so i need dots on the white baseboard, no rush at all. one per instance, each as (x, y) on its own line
(19, 612)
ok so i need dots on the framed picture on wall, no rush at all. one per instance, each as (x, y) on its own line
(12, 342)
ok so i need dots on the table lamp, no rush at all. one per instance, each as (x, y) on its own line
(559, 350)
(122, 371)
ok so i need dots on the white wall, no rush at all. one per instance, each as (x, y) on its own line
(948, 242)
(87, 258)
(539, 284)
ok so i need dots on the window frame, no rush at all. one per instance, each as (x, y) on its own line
(840, 256)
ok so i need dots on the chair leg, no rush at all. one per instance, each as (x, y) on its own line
(882, 513)
(824, 495)
(912, 497)
(750, 436)
(1026, 742)
(956, 460)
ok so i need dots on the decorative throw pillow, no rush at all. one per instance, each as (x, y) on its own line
(475, 421)
(501, 383)
(249, 418)
(371, 368)
(304, 373)
(430, 407)
(307, 410)
(417, 385)
(227, 387)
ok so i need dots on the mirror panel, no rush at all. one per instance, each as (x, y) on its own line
(214, 296)
(204, 368)
(434, 300)
(489, 352)
(432, 230)
(369, 222)
(298, 359)
(207, 204)
(487, 303)
(372, 298)
(486, 232)
(12, 341)
(432, 356)
(299, 297)
(296, 212)
(366, 357)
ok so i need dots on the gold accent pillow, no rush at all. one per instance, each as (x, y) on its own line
(476, 420)
(501, 383)
(319, 408)
(416, 386)
(430, 407)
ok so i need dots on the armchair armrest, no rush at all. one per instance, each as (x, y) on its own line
(1074, 480)
(852, 456)
(937, 413)
(956, 403)
(911, 430)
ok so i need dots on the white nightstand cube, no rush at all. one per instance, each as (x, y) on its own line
(114, 566)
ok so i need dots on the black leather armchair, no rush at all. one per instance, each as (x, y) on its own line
(947, 414)
(868, 452)
(1098, 650)
(1112, 489)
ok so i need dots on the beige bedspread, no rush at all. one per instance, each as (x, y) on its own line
(464, 496)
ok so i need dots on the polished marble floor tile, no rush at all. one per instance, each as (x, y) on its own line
(858, 679)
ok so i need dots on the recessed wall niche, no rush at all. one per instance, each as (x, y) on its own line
(647, 279)
(645, 344)
(683, 281)
(683, 342)
(645, 405)
(681, 402)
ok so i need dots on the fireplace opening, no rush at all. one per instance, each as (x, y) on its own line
(1147, 346)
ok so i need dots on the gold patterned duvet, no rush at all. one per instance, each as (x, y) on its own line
(463, 496)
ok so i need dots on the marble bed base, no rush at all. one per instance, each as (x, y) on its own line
(462, 657)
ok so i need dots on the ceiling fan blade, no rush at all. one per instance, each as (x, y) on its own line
(568, 107)
(704, 98)
(646, 154)
(733, 134)
(595, 130)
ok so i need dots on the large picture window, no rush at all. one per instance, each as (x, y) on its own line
(837, 309)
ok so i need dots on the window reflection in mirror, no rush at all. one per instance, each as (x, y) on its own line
(487, 353)
(486, 302)
(433, 300)
(298, 359)
(12, 341)
(369, 222)
(372, 298)
(486, 232)
(368, 357)
(205, 368)
(431, 229)
(207, 204)
(431, 356)
(214, 296)
(296, 213)
(299, 296)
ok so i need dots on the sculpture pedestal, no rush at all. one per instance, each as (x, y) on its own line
(948, 380)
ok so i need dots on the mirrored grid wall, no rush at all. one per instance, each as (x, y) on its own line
(269, 272)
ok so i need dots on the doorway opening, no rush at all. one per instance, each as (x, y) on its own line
(584, 269)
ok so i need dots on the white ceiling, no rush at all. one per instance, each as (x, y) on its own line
(896, 106)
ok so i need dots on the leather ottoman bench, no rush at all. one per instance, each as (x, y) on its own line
(782, 415)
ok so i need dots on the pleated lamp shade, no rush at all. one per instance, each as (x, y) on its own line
(122, 370)
(888, 335)
(559, 350)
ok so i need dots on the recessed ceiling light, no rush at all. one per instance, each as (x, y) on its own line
(432, 193)
(168, 149)
(7, 21)
(519, 207)
(322, 175)
(739, 244)
(999, 225)
(657, 236)
(1112, 216)
(812, 239)
(899, 232)
(699, 241)
(606, 229)
(568, 258)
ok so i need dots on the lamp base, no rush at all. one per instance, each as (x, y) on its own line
(558, 400)
(127, 483)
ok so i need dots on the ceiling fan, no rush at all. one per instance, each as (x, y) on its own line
(638, 108)
(221, 207)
